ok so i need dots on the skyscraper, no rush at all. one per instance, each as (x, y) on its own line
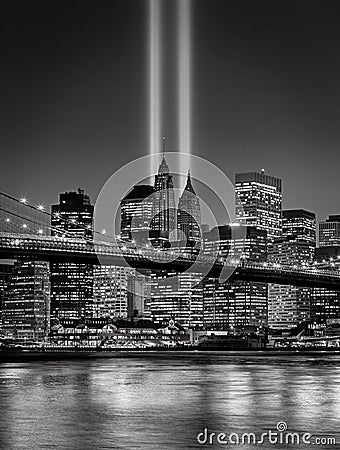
(110, 293)
(72, 284)
(290, 305)
(26, 301)
(235, 303)
(179, 298)
(136, 212)
(259, 202)
(189, 216)
(163, 211)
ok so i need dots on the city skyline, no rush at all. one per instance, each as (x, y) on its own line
(264, 94)
(169, 223)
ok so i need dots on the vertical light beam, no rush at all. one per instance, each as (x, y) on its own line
(154, 80)
(184, 78)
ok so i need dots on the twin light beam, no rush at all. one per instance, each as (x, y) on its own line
(184, 79)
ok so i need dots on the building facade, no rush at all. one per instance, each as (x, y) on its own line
(72, 284)
(325, 303)
(177, 297)
(235, 303)
(329, 232)
(259, 202)
(288, 306)
(136, 213)
(110, 291)
(299, 225)
(26, 301)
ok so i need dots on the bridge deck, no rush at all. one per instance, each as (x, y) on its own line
(81, 251)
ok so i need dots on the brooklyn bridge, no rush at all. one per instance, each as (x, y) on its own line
(25, 234)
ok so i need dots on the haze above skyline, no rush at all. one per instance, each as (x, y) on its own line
(74, 90)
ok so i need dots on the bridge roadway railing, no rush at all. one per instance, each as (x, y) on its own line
(287, 269)
(13, 242)
(22, 242)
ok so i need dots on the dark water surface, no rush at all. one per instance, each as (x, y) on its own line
(163, 400)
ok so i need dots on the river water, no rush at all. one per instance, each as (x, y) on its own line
(164, 400)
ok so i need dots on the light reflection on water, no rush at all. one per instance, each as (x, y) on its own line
(161, 401)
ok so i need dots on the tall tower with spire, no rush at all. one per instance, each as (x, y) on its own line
(163, 214)
(189, 215)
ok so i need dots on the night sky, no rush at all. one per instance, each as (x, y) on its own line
(265, 92)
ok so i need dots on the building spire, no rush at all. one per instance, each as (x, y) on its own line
(189, 186)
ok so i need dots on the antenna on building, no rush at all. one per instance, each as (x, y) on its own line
(163, 144)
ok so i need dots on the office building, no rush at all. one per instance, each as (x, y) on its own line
(26, 301)
(329, 232)
(235, 303)
(139, 296)
(110, 291)
(177, 297)
(299, 225)
(237, 243)
(136, 213)
(288, 306)
(163, 212)
(325, 303)
(72, 283)
(259, 202)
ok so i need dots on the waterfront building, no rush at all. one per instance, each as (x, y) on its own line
(136, 213)
(259, 202)
(26, 301)
(72, 284)
(329, 232)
